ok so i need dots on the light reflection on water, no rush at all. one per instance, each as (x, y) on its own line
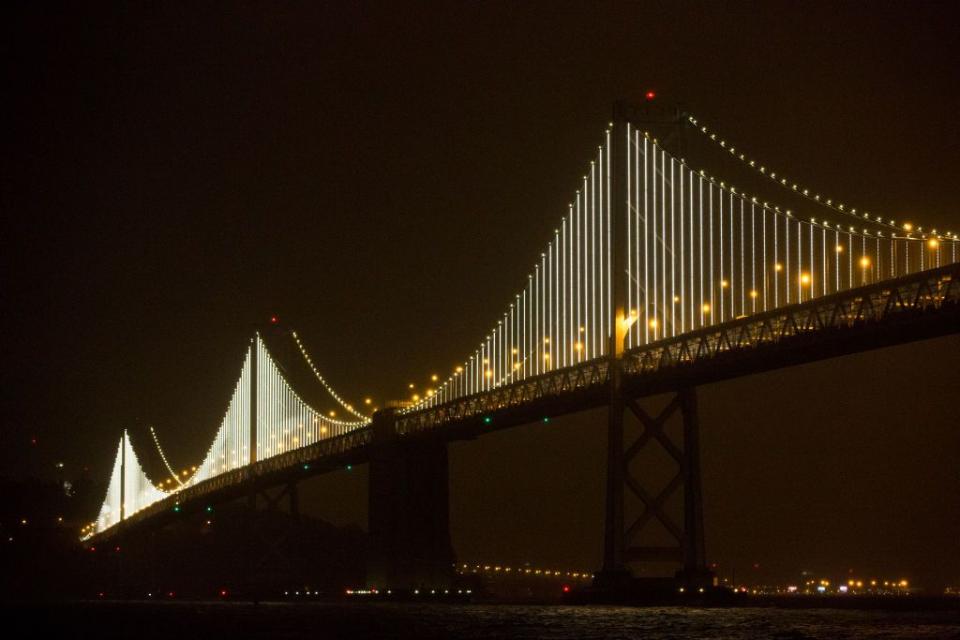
(176, 621)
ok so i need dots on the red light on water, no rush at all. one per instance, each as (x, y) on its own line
(566, 588)
(650, 95)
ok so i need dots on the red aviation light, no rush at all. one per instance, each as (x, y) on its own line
(650, 95)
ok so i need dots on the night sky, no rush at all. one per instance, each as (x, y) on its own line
(382, 177)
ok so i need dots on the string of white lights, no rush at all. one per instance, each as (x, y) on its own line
(333, 394)
(810, 194)
(163, 457)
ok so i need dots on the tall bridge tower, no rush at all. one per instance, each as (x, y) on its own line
(667, 122)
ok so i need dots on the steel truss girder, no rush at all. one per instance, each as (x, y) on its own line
(590, 374)
(911, 295)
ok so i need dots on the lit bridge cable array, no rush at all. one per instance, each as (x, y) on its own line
(284, 422)
(563, 316)
(698, 253)
(701, 253)
(231, 446)
(129, 490)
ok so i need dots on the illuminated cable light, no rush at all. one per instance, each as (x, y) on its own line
(326, 385)
(541, 311)
(826, 202)
(163, 457)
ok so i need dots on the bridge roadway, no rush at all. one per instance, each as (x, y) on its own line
(915, 307)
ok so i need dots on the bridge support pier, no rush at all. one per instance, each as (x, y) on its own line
(409, 510)
(620, 548)
(266, 544)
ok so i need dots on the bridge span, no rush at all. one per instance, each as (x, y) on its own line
(658, 279)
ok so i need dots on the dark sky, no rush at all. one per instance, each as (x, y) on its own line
(383, 175)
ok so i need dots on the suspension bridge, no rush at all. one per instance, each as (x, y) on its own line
(658, 278)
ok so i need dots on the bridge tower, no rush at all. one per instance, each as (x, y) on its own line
(409, 510)
(667, 123)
